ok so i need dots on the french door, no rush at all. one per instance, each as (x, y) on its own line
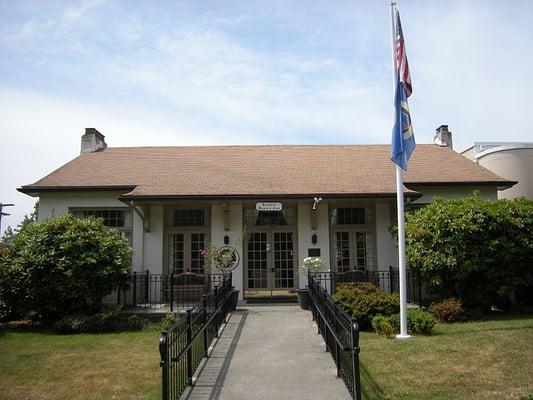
(352, 250)
(270, 261)
(185, 252)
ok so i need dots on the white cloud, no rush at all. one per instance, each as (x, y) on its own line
(287, 74)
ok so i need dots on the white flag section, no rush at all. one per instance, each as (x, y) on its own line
(402, 146)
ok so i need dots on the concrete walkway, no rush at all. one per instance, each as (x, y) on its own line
(269, 352)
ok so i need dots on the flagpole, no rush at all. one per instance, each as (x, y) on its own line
(399, 200)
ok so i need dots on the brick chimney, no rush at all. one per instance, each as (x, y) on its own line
(92, 141)
(443, 137)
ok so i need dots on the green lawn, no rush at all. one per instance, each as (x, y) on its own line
(102, 366)
(478, 360)
(475, 360)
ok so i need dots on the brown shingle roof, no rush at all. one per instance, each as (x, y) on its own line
(261, 170)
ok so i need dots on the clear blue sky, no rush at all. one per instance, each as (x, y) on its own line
(242, 72)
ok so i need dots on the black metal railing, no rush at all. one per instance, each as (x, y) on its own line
(183, 346)
(170, 291)
(386, 280)
(341, 335)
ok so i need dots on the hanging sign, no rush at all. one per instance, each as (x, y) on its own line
(268, 206)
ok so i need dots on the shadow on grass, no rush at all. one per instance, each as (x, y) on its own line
(370, 389)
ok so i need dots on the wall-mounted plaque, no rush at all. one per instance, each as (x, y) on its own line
(262, 206)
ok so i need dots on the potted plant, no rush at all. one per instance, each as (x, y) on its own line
(310, 265)
(225, 259)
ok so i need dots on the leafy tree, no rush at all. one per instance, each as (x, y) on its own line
(10, 233)
(478, 250)
(60, 266)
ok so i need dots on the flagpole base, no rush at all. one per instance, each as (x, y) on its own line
(403, 337)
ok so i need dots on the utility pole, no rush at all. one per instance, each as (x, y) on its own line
(2, 213)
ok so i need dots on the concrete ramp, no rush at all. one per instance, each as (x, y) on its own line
(269, 352)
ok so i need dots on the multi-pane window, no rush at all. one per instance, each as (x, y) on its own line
(353, 250)
(363, 250)
(114, 218)
(186, 239)
(350, 216)
(197, 259)
(269, 218)
(118, 218)
(176, 253)
(185, 252)
(283, 260)
(342, 248)
(189, 217)
(257, 260)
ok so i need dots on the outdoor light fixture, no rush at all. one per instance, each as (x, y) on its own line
(226, 240)
(316, 200)
(314, 238)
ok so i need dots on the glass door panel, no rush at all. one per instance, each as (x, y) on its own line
(197, 260)
(257, 261)
(176, 253)
(352, 250)
(185, 252)
(283, 261)
(342, 251)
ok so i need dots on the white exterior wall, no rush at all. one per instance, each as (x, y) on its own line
(154, 241)
(456, 192)
(54, 204)
(149, 246)
(305, 232)
(386, 248)
(234, 233)
(513, 164)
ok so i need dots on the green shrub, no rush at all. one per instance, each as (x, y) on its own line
(61, 266)
(136, 323)
(106, 321)
(381, 325)
(418, 322)
(477, 250)
(365, 300)
(72, 324)
(449, 310)
(167, 321)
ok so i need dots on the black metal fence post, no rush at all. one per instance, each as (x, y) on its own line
(189, 352)
(337, 352)
(355, 359)
(171, 288)
(134, 299)
(147, 286)
(216, 312)
(163, 351)
(419, 278)
(204, 322)
(391, 280)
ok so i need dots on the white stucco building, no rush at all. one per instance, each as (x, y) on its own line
(171, 202)
(512, 160)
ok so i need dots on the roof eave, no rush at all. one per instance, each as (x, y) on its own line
(247, 196)
(34, 191)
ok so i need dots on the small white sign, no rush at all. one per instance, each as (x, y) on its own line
(268, 206)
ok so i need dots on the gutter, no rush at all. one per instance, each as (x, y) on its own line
(126, 197)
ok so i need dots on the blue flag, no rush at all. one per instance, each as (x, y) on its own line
(403, 140)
